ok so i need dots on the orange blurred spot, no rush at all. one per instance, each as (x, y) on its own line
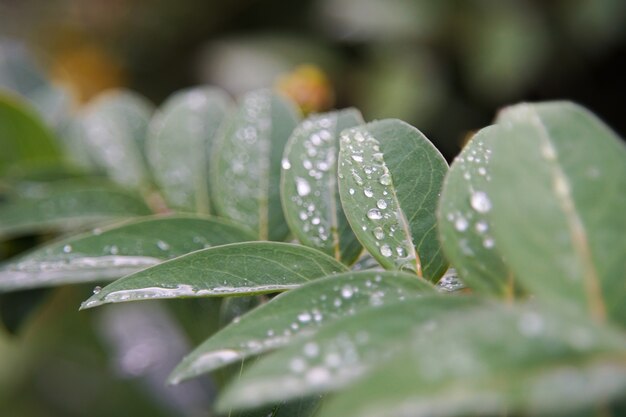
(309, 87)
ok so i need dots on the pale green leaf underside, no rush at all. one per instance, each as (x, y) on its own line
(235, 269)
(309, 190)
(110, 253)
(493, 361)
(390, 177)
(179, 142)
(298, 312)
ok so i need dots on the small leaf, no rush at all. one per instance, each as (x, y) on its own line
(298, 312)
(568, 173)
(236, 269)
(66, 205)
(114, 126)
(180, 138)
(496, 360)
(110, 253)
(390, 177)
(245, 169)
(339, 353)
(466, 232)
(309, 185)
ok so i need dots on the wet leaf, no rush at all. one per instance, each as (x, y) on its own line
(65, 206)
(110, 253)
(309, 185)
(496, 360)
(180, 138)
(246, 164)
(236, 269)
(114, 126)
(340, 352)
(298, 312)
(390, 177)
(562, 230)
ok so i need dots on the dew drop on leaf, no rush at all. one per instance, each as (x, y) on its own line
(385, 250)
(374, 214)
(385, 179)
(480, 202)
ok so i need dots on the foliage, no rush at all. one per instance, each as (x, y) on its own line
(531, 215)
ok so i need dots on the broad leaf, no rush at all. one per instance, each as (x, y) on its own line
(24, 139)
(309, 185)
(390, 177)
(236, 269)
(338, 353)
(180, 138)
(557, 192)
(298, 312)
(494, 361)
(110, 253)
(246, 163)
(66, 205)
(464, 225)
(114, 126)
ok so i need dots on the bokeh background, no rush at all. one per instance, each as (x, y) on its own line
(446, 66)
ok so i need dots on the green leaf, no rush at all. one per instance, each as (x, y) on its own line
(110, 253)
(298, 312)
(309, 185)
(24, 139)
(114, 126)
(466, 233)
(66, 205)
(180, 138)
(568, 173)
(390, 177)
(496, 360)
(303, 407)
(236, 269)
(246, 164)
(339, 353)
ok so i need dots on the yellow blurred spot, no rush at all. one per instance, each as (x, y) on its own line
(87, 70)
(309, 87)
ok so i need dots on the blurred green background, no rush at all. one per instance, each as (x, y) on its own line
(445, 66)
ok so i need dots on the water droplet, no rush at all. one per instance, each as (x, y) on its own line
(481, 226)
(347, 291)
(285, 163)
(530, 324)
(374, 214)
(302, 187)
(67, 248)
(316, 221)
(379, 233)
(114, 250)
(381, 204)
(368, 192)
(304, 317)
(97, 289)
(480, 202)
(357, 158)
(400, 251)
(385, 250)
(351, 191)
(385, 179)
(461, 224)
(357, 178)
(163, 245)
(311, 349)
(488, 243)
(482, 171)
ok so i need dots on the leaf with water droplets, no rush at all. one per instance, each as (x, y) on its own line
(464, 220)
(114, 126)
(309, 185)
(110, 253)
(235, 269)
(340, 352)
(65, 205)
(390, 176)
(495, 360)
(179, 142)
(562, 229)
(299, 312)
(246, 164)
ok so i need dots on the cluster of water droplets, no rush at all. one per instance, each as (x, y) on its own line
(310, 161)
(362, 166)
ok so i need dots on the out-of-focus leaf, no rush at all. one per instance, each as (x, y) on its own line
(246, 164)
(18, 70)
(180, 138)
(66, 205)
(493, 361)
(299, 312)
(339, 353)
(115, 125)
(236, 269)
(111, 253)
(558, 176)
(309, 185)
(305, 407)
(390, 177)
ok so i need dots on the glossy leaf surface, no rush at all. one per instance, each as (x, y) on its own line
(309, 185)
(390, 177)
(236, 269)
(301, 311)
(110, 253)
